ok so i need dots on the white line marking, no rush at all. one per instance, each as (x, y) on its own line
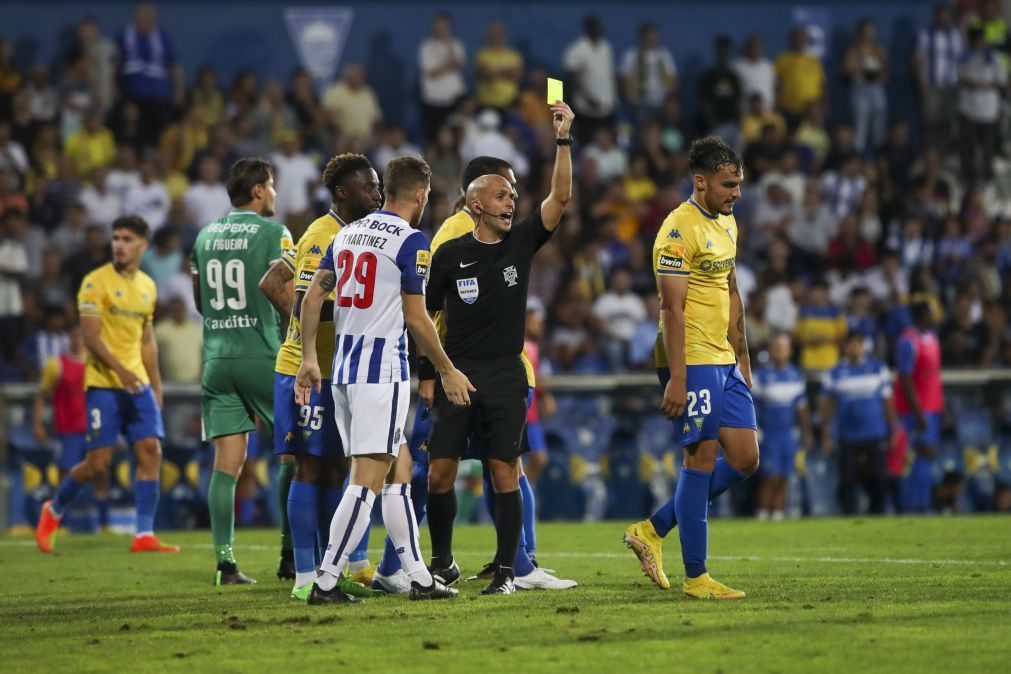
(621, 555)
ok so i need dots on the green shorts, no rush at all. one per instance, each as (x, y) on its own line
(234, 392)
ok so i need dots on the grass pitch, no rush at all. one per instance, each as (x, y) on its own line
(862, 595)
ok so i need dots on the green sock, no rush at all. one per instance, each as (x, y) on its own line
(284, 478)
(221, 503)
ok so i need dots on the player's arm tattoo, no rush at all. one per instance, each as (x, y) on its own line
(741, 342)
(327, 280)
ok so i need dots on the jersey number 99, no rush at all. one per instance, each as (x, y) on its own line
(231, 274)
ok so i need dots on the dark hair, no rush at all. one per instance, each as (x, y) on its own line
(710, 154)
(404, 174)
(921, 310)
(483, 166)
(244, 175)
(341, 167)
(852, 335)
(133, 223)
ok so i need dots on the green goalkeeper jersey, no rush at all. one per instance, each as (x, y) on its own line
(230, 256)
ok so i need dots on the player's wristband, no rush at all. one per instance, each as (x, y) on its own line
(561, 142)
(425, 368)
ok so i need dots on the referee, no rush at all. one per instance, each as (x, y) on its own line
(479, 281)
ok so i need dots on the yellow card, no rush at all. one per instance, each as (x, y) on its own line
(554, 91)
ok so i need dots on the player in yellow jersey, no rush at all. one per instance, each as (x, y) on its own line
(122, 382)
(309, 432)
(529, 576)
(703, 364)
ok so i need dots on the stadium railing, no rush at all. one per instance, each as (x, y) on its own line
(606, 440)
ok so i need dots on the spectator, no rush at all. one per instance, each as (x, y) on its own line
(844, 188)
(757, 328)
(772, 218)
(982, 79)
(100, 55)
(11, 198)
(811, 136)
(643, 340)
(786, 171)
(865, 67)
(572, 347)
(179, 337)
(997, 335)
(207, 200)
(888, 282)
(304, 101)
(101, 205)
(611, 160)
(860, 318)
(813, 224)
(13, 268)
(720, 95)
(963, 336)
(820, 330)
(499, 70)
(295, 174)
(96, 252)
(128, 128)
(69, 237)
(220, 148)
(489, 141)
(756, 117)
(13, 157)
(935, 66)
(672, 132)
(43, 98)
(532, 109)
(10, 76)
(164, 256)
(149, 198)
(91, 146)
(444, 158)
(914, 247)
(764, 154)
(618, 312)
(954, 249)
(149, 75)
(182, 140)
(394, 143)
(648, 74)
(589, 61)
(33, 238)
(800, 76)
(51, 287)
(639, 186)
(49, 341)
(75, 94)
(243, 95)
(849, 247)
(352, 105)
(123, 176)
(858, 417)
(756, 73)
(206, 94)
(442, 59)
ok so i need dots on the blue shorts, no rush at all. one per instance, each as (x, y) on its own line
(420, 433)
(254, 445)
(71, 450)
(309, 429)
(114, 412)
(928, 438)
(717, 398)
(779, 451)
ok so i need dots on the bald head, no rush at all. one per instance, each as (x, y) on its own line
(492, 199)
(483, 186)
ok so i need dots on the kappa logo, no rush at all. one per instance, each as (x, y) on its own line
(698, 422)
(676, 234)
(468, 290)
(316, 250)
(397, 436)
(730, 234)
(709, 243)
(511, 276)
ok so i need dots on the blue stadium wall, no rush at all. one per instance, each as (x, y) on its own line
(233, 35)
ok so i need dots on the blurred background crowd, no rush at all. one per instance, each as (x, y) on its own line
(840, 225)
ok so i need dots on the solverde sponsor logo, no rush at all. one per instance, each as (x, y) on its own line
(718, 265)
(117, 311)
(231, 323)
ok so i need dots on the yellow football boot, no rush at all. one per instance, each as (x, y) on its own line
(642, 538)
(704, 587)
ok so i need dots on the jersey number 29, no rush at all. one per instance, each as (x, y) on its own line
(364, 269)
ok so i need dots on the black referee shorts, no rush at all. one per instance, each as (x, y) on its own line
(500, 402)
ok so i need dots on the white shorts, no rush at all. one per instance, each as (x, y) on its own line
(371, 417)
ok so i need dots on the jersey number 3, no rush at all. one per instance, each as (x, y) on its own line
(364, 269)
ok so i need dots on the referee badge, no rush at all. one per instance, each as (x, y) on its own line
(467, 289)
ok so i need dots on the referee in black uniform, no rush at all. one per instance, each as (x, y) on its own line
(479, 281)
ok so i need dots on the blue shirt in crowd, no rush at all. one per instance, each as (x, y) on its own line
(859, 391)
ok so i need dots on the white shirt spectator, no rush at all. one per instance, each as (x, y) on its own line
(612, 162)
(886, 285)
(619, 313)
(593, 63)
(812, 229)
(294, 174)
(101, 208)
(120, 182)
(938, 52)
(651, 69)
(488, 141)
(981, 103)
(206, 202)
(13, 157)
(780, 309)
(383, 154)
(757, 76)
(13, 260)
(180, 285)
(150, 201)
(446, 88)
(843, 193)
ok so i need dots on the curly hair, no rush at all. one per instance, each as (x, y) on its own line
(710, 154)
(341, 167)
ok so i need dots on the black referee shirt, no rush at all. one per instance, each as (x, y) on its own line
(481, 288)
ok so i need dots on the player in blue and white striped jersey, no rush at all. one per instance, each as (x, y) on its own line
(781, 404)
(377, 268)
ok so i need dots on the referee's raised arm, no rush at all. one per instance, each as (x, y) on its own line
(561, 178)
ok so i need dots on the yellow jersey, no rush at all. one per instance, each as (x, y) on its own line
(453, 227)
(125, 305)
(801, 81)
(703, 247)
(303, 262)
